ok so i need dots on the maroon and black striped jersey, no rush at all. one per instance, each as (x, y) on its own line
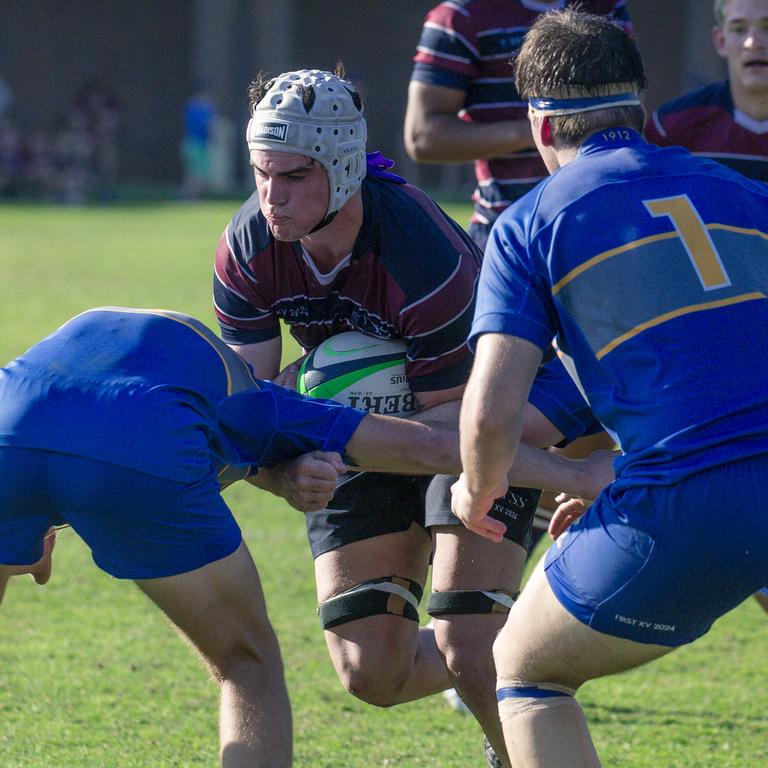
(411, 275)
(469, 46)
(707, 124)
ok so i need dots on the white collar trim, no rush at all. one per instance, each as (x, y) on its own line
(745, 121)
(324, 278)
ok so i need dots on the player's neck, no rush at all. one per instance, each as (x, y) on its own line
(334, 242)
(754, 105)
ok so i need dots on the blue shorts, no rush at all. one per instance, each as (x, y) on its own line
(137, 526)
(659, 564)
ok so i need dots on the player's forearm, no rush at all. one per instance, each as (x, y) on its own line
(537, 468)
(488, 445)
(493, 408)
(447, 139)
(268, 480)
(388, 444)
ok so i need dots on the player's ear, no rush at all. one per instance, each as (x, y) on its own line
(718, 40)
(545, 132)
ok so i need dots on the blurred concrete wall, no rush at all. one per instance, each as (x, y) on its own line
(152, 53)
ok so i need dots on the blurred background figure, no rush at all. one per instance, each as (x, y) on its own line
(11, 159)
(74, 159)
(200, 118)
(102, 113)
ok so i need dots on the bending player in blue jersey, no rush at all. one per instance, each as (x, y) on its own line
(126, 424)
(672, 361)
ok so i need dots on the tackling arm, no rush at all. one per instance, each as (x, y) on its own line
(388, 444)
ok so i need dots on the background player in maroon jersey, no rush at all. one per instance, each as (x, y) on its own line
(462, 102)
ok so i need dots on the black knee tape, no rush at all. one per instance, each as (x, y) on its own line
(393, 594)
(462, 601)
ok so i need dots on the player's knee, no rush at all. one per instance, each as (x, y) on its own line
(254, 651)
(379, 684)
(470, 619)
(367, 660)
(465, 647)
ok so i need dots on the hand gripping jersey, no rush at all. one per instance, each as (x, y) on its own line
(469, 46)
(707, 124)
(158, 392)
(649, 266)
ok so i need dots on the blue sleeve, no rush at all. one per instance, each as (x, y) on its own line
(556, 395)
(513, 296)
(271, 424)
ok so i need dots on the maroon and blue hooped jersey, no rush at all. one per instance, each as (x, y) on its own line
(649, 266)
(470, 46)
(707, 124)
(412, 275)
(158, 392)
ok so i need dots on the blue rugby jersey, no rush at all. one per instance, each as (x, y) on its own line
(158, 392)
(707, 124)
(412, 275)
(470, 46)
(649, 266)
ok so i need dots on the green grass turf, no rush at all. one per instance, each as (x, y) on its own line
(92, 675)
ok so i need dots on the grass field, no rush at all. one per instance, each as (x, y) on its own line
(91, 674)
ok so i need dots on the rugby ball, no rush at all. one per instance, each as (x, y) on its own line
(363, 372)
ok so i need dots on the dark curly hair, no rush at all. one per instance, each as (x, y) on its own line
(259, 86)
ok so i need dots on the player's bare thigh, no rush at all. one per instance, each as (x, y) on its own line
(464, 560)
(542, 642)
(381, 658)
(405, 553)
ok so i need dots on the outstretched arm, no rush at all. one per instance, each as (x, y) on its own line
(387, 444)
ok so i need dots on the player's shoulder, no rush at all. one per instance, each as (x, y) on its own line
(406, 213)
(415, 241)
(386, 201)
(710, 95)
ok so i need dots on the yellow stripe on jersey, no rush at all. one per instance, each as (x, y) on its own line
(595, 260)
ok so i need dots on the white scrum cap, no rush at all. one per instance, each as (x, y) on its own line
(317, 114)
